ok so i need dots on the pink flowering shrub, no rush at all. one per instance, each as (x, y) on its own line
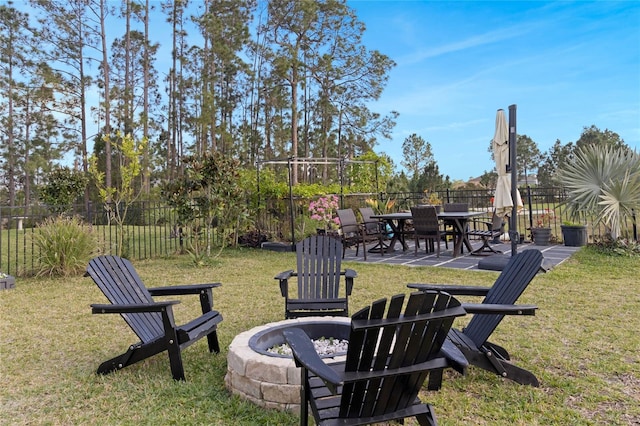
(324, 209)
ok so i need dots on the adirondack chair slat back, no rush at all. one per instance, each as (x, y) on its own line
(319, 259)
(388, 347)
(511, 283)
(120, 283)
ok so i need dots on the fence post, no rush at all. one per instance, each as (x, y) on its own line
(530, 206)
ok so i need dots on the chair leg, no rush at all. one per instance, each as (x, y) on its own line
(212, 339)
(304, 397)
(175, 360)
(428, 419)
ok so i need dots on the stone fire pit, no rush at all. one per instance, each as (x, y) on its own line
(272, 380)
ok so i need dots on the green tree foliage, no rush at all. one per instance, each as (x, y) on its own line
(62, 188)
(320, 74)
(71, 31)
(561, 154)
(603, 180)
(398, 183)
(119, 198)
(430, 179)
(557, 156)
(305, 73)
(14, 62)
(209, 199)
(416, 154)
(369, 173)
(528, 155)
(489, 179)
(216, 72)
(594, 136)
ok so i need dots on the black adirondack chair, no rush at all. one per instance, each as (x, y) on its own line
(499, 301)
(387, 362)
(151, 321)
(319, 274)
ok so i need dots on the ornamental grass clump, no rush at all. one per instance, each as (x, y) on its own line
(65, 246)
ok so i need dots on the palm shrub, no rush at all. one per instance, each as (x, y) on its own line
(65, 246)
(605, 181)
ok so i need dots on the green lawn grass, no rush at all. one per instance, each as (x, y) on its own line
(583, 345)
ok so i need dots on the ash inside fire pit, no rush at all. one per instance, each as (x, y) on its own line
(328, 336)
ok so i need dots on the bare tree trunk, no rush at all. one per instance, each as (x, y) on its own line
(294, 123)
(146, 178)
(12, 143)
(128, 85)
(107, 99)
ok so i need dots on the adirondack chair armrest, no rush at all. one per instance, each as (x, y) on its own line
(98, 308)
(283, 277)
(181, 289)
(305, 355)
(349, 275)
(454, 290)
(489, 308)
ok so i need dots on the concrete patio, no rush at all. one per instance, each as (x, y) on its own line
(553, 255)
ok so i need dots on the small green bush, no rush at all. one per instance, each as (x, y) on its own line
(65, 246)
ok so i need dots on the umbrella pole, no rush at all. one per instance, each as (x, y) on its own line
(513, 224)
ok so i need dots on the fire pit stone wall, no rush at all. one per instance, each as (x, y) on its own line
(268, 381)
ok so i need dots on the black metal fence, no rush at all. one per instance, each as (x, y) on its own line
(151, 229)
(281, 218)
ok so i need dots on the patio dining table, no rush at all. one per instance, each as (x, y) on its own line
(396, 222)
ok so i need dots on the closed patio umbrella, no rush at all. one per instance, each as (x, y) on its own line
(502, 199)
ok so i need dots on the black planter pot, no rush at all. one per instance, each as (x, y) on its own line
(541, 236)
(574, 235)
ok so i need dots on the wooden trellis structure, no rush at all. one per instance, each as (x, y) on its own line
(291, 162)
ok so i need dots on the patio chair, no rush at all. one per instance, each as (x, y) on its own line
(151, 321)
(426, 226)
(388, 360)
(353, 233)
(494, 230)
(373, 227)
(318, 274)
(498, 301)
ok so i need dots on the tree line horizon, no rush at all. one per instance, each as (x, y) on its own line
(252, 80)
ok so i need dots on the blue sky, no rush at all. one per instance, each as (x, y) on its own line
(566, 65)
